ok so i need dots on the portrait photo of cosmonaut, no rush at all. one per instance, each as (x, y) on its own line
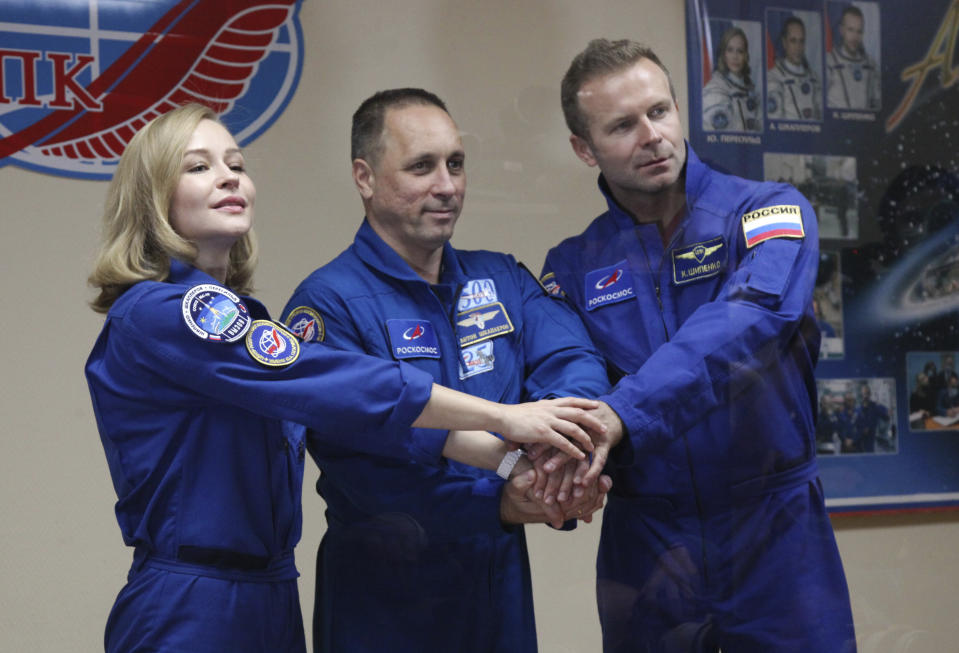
(828, 182)
(794, 70)
(827, 304)
(857, 416)
(852, 55)
(933, 385)
(732, 82)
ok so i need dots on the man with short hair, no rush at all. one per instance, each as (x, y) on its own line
(852, 76)
(416, 558)
(848, 418)
(873, 418)
(947, 404)
(794, 91)
(697, 288)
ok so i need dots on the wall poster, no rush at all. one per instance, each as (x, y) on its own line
(79, 77)
(857, 105)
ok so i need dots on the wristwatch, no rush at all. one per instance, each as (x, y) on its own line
(508, 463)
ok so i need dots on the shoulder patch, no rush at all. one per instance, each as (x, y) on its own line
(214, 313)
(781, 221)
(699, 261)
(412, 339)
(306, 324)
(271, 344)
(551, 285)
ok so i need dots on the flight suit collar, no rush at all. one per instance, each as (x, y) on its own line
(189, 275)
(696, 181)
(374, 252)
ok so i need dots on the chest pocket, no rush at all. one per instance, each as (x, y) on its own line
(771, 266)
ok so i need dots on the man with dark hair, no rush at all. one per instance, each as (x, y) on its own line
(366, 141)
(697, 288)
(848, 418)
(872, 422)
(947, 404)
(794, 91)
(434, 559)
(852, 76)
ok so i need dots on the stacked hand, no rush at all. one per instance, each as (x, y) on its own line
(519, 504)
(553, 486)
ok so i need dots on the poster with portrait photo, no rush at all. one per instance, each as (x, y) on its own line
(853, 57)
(794, 73)
(884, 182)
(733, 78)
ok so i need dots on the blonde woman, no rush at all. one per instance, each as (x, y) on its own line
(730, 102)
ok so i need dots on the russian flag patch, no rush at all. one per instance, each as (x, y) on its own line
(782, 221)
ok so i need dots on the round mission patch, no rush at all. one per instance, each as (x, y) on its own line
(271, 344)
(214, 313)
(306, 324)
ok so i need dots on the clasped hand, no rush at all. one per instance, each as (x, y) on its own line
(548, 485)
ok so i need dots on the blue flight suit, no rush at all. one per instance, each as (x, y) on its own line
(416, 558)
(847, 419)
(946, 400)
(208, 476)
(715, 532)
(871, 415)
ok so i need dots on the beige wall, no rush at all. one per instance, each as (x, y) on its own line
(497, 64)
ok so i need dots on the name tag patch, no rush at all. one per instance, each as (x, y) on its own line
(782, 221)
(476, 359)
(413, 339)
(476, 292)
(482, 323)
(214, 313)
(608, 285)
(306, 324)
(271, 344)
(699, 261)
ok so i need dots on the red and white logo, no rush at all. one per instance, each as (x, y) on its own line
(414, 333)
(608, 281)
(76, 84)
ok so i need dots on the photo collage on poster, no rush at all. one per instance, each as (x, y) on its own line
(845, 101)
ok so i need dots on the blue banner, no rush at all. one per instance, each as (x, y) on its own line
(856, 104)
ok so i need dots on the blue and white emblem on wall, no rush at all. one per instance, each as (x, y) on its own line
(78, 79)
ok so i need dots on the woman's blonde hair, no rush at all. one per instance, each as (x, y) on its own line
(137, 241)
